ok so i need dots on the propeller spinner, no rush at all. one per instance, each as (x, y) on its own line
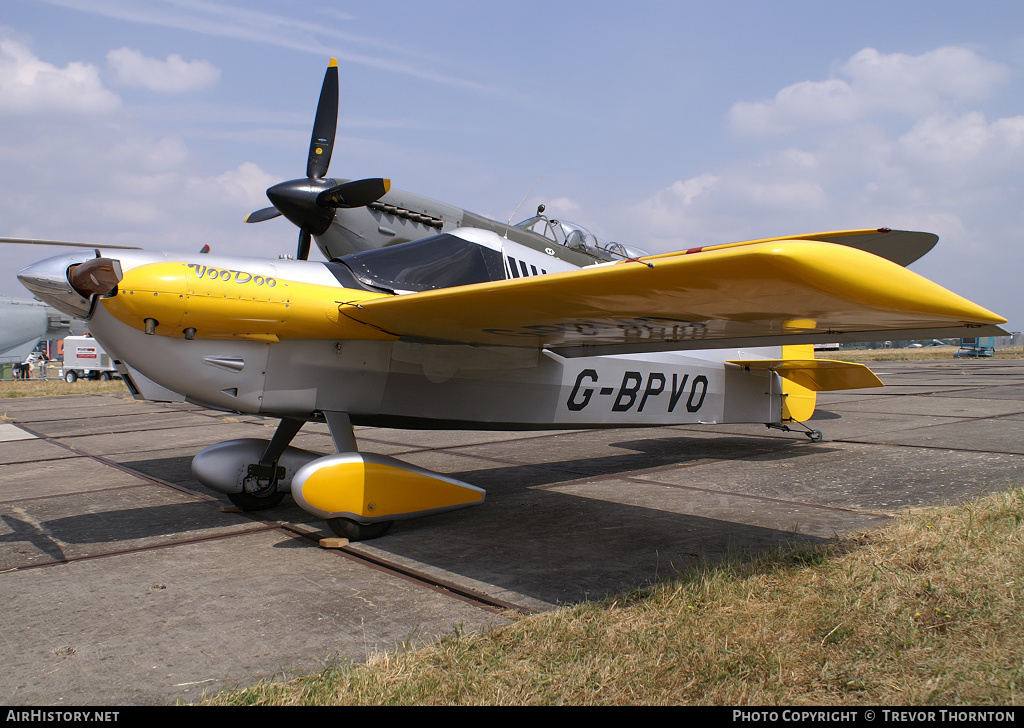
(311, 202)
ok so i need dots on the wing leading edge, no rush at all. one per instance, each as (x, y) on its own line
(768, 293)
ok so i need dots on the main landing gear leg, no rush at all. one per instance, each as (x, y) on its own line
(341, 431)
(345, 441)
(260, 485)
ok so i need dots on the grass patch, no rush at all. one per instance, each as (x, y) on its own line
(57, 388)
(925, 611)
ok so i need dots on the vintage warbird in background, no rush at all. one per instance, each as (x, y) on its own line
(348, 216)
(482, 325)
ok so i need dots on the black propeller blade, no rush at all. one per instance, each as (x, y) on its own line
(325, 126)
(310, 202)
(267, 213)
(302, 252)
(358, 193)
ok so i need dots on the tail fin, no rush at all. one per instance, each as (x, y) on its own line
(803, 377)
(798, 401)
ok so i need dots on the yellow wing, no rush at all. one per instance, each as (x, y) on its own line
(790, 291)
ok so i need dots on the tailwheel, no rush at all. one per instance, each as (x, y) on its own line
(812, 435)
(250, 502)
(355, 531)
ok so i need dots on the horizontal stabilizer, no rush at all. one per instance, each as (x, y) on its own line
(818, 375)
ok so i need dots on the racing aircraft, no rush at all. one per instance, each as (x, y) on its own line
(473, 330)
(427, 316)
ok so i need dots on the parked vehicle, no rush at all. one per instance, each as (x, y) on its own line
(84, 358)
(973, 352)
(976, 347)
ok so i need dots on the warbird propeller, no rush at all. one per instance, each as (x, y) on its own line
(542, 328)
(348, 216)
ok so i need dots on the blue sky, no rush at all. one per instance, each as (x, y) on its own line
(663, 125)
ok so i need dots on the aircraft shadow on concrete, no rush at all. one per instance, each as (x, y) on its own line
(824, 415)
(23, 531)
(643, 455)
(561, 547)
(119, 525)
(553, 546)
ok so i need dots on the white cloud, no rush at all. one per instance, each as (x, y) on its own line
(31, 86)
(913, 83)
(174, 75)
(561, 207)
(901, 141)
(144, 153)
(244, 187)
(809, 103)
(280, 29)
(875, 83)
(967, 140)
(687, 191)
(743, 202)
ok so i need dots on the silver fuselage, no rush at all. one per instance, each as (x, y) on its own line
(420, 385)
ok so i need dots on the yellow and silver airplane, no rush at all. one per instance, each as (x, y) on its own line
(428, 316)
(470, 329)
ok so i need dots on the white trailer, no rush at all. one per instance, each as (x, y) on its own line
(85, 358)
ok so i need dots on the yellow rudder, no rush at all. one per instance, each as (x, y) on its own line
(798, 401)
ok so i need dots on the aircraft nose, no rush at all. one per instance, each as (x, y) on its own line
(48, 281)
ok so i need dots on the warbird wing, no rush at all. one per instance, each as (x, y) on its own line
(899, 246)
(772, 293)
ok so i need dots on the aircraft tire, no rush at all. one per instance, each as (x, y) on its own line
(355, 531)
(249, 502)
